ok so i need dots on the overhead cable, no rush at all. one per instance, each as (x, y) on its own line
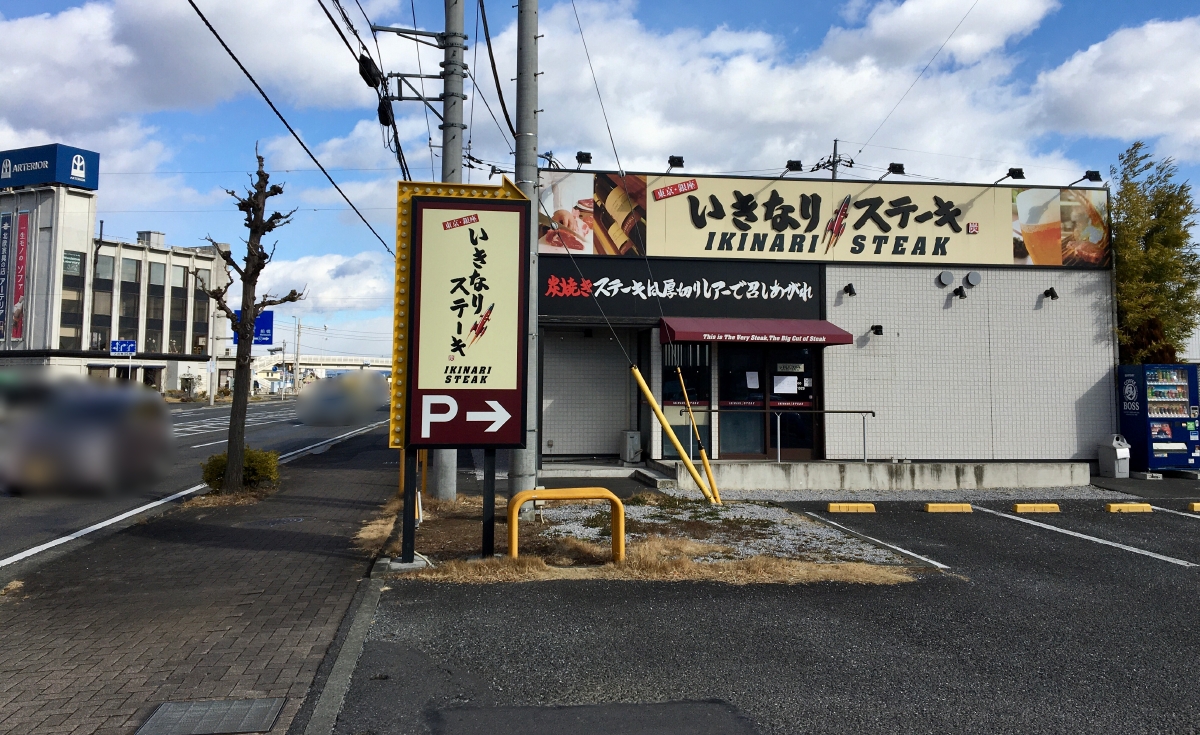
(914, 82)
(495, 74)
(287, 125)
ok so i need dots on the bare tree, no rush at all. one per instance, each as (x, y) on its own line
(254, 205)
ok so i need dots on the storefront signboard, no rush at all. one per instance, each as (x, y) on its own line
(461, 306)
(634, 288)
(19, 267)
(845, 221)
(5, 243)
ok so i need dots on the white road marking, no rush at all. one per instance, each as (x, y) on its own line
(1134, 549)
(143, 508)
(249, 424)
(292, 455)
(906, 552)
(1193, 516)
(96, 527)
(197, 446)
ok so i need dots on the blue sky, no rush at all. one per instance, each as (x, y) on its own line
(1055, 87)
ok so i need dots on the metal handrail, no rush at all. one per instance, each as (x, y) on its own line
(778, 411)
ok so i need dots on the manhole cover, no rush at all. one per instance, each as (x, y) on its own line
(213, 718)
(273, 521)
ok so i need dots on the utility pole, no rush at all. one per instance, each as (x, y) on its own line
(296, 364)
(445, 461)
(834, 161)
(522, 474)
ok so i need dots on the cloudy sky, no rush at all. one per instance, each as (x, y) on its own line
(1054, 86)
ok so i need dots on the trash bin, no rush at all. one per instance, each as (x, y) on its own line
(1114, 457)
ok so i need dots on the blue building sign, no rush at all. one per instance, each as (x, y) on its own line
(50, 164)
(264, 328)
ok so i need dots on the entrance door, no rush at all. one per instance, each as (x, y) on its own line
(793, 387)
(761, 389)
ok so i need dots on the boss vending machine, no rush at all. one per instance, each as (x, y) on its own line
(1159, 413)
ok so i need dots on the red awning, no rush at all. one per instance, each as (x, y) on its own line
(752, 331)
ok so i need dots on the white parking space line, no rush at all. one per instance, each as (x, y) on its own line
(1047, 526)
(1193, 516)
(197, 446)
(143, 508)
(96, 527)
(852, 532)
(249, 424)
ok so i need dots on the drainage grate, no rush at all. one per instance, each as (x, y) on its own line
(272, 521)
(216, 717)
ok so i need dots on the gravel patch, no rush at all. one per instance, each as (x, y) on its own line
(1080, 492)
(753, 530)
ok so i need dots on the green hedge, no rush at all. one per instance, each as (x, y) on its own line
(259, 468)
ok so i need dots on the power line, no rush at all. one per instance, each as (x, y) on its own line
(914, 83)
(286, 124)
(496, 74)
(592, 69)
(421, 80)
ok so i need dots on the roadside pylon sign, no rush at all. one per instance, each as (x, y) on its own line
(461, 309)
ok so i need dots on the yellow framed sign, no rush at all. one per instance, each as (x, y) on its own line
(461, 310)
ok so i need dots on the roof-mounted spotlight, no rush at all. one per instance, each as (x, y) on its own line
(583, 158)
(1051, 294)
(896, 169)
(794, 165)
(1013, 173)
(849, 290)
(877, 329)
(674, 162)
(1092, 176)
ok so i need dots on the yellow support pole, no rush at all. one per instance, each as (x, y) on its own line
(662, 420)
(712, 483)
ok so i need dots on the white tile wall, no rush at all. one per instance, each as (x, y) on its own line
(1003, 374)
(586, 398)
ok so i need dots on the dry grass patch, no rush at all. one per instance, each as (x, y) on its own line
(374, 533)
(657, 558)
(227, 500)
(12, 589)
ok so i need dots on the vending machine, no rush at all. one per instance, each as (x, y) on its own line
(1159, 413)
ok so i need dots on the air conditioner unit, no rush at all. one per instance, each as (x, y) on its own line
(631, 446)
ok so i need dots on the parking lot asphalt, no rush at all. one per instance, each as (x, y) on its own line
(1029, 630)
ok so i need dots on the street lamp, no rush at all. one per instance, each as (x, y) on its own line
(1013, 173)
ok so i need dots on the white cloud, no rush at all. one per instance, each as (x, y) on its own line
(910, 32)
(332, 283)
(1138, 82)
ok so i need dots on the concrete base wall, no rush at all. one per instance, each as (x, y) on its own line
(884, 476)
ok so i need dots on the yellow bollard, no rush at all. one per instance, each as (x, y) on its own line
(662, 420)
(616, 512)
(712, 483)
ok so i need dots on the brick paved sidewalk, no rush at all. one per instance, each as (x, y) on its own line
(238, 602)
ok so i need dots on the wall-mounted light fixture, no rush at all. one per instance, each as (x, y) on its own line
(960, 292)
(674, 162)
(1051, 294)
(876, 329)
(1013, 173)
(849, 289)
(583, 158)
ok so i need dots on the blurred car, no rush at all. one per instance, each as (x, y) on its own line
(83, 437)
(349, 398)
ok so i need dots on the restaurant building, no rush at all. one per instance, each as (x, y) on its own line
(976, 322)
